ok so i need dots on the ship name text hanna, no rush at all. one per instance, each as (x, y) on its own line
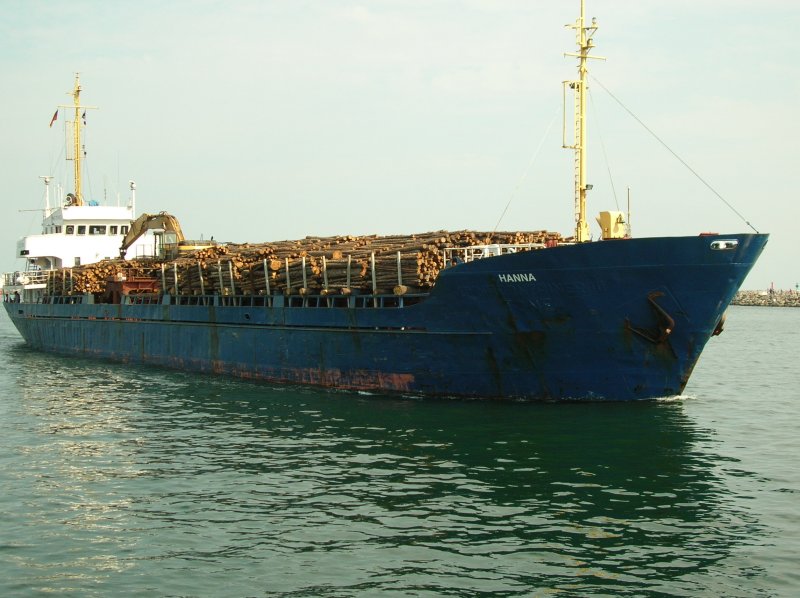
(517, 277)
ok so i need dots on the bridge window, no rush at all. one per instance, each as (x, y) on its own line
(70, 229)
(97, 229)
(112, 230)
(123, 230)
(81, 229)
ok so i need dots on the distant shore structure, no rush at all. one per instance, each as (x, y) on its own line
(768, 298)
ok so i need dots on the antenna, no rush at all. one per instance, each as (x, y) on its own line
(630, 229)
(46, 179)
(133, 197)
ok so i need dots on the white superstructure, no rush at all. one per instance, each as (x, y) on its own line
(75, 232)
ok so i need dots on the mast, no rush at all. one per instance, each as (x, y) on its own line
(46, 180)
(583, 37)
(133, 197)
(76, 137)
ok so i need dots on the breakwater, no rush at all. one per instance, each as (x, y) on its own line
(768, 298)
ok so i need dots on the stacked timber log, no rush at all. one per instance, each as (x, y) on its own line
(314, 265)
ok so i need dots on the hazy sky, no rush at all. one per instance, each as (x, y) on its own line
(266, 120)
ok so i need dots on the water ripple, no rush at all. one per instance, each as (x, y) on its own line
(143, 481)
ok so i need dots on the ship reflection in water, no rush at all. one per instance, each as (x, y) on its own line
(150, 479)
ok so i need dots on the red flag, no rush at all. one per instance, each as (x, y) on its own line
(55, 116)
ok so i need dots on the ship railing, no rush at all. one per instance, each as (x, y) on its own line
(354, 300)
(61, 299)
(456, 255)
(25, 277)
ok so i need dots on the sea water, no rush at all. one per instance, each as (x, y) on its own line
(140, 481)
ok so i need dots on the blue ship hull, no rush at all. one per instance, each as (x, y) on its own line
(615, 320)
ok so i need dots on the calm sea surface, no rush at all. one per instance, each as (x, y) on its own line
(122, 481)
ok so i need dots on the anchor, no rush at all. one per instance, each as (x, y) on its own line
(665, 322)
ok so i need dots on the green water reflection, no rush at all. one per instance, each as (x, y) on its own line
(146, 480)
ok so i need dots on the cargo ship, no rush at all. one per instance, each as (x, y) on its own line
(507, 317)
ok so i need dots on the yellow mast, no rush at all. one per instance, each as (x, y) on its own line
(583, 36)
(76, 137)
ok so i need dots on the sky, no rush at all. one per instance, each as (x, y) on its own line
(262, 120)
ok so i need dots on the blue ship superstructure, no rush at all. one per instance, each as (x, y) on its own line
(622, 319)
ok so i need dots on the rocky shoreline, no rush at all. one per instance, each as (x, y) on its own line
(767, 298)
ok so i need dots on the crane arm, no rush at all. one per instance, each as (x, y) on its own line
(146, 222)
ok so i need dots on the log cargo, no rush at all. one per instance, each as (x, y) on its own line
(396, 264)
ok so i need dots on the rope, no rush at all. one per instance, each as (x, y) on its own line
(86, 167)
(527, 170)
(603, 147)
(669, 149)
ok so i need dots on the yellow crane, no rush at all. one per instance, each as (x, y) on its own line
(166, 224)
